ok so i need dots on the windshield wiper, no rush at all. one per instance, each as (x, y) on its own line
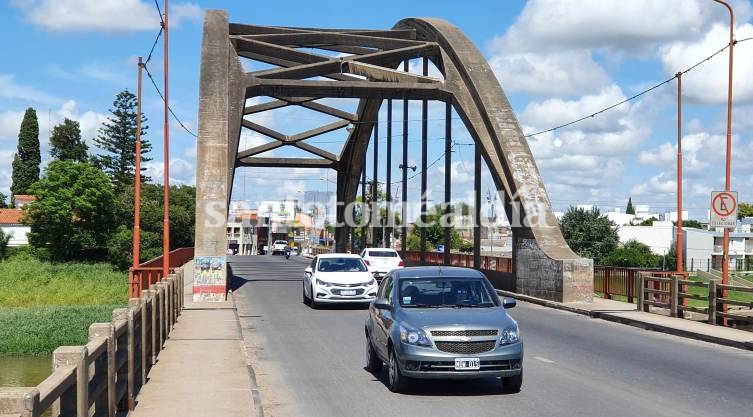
(420, 306)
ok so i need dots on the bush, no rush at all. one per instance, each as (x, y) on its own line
(466, 247)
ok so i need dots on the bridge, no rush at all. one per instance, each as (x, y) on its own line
(228, 335)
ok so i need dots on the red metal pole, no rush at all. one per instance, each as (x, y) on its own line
(678, 241)
(725, 243)
(166, 214)
(136, 287)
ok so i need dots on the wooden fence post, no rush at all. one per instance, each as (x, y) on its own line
(712, 301)
(673, 297)
(641, 293)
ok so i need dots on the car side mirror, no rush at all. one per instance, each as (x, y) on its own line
(308, 270)
(382, 304)
(509, 302)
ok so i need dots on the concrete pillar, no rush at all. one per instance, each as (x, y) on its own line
(221, 100)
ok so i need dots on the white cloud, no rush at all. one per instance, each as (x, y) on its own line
(631, 26)
(181, 171)
(11, 91)
(659, 184)
(103, 15)
(708, 82)
(555, 73)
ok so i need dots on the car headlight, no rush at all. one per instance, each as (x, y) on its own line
(413, 336)
(509, 336)
(323, 283)
(371, 283)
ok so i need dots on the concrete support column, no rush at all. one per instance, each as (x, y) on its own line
(221, 100)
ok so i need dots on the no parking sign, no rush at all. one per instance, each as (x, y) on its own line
(723, 209)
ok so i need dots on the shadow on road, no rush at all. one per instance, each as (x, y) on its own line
(442, 387)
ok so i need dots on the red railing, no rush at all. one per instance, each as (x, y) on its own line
(150, 272)
(488, 263)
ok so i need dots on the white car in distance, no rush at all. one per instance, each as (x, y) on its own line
(381, 261)
(338, 278)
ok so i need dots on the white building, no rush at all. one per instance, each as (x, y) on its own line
(619, 218)
(671, 216)
(658, 237)
(703, 249)
(10, 223)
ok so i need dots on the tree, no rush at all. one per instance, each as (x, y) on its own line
(27, 159)
(435, 229)
(744, 210)
(465, 209)
(73, 211)
(648, 222)
(66, 142)
(4, 239)
(690, 223)
(117, 137)
(633, 254)
(3, 200)
(588, 233)
(630, 209)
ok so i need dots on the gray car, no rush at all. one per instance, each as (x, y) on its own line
(442, 322)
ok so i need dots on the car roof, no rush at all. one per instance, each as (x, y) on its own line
(338, 255)
(436, 271)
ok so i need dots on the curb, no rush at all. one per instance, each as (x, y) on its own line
(255, 396)
(611, 316)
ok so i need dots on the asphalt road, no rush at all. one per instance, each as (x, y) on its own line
(310, 363)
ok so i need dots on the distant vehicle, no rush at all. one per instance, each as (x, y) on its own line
(381, 261)
(442, 322)
(279, 247)
(440, 248)
(338, 278)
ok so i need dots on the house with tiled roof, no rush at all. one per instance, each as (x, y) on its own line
(11, 223)
(21, 200)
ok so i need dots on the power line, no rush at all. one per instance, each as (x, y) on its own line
(633, 97)
(149, 57)
(149, 74)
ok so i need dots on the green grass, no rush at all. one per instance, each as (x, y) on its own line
(28, 282)
(40, 330)
(45, 305)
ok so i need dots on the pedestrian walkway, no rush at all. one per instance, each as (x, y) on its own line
(627, 313)
(202, 372)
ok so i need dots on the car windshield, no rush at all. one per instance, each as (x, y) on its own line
(440, 292)
(382, 254)
(342, 265)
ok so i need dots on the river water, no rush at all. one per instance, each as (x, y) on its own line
(24, 371)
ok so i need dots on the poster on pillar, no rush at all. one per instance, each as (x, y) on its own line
(210, 278)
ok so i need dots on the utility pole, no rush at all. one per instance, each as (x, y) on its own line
(166, 178)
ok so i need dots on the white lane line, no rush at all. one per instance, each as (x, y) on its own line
(545, 360)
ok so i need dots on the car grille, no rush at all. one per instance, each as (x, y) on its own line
(360, 284)
(466, 333)
(359, 291)
(466, 347)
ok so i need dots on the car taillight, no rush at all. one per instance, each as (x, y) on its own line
(366, 262)
(401, 263)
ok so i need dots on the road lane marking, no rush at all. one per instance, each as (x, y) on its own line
(545, 360)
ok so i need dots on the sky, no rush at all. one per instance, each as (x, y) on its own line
(557, 61)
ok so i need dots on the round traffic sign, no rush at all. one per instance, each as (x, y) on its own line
(724, 204)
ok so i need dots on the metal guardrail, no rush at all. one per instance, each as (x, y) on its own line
(150, 272)
(108, 372)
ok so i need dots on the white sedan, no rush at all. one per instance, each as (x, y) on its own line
(381, 261)
(338, 278)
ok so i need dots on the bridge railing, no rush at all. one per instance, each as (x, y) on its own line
(111, 368)
(145, 275)
(489, 263)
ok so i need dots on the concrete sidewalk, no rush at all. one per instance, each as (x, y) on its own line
(202, 372)
(627, 313)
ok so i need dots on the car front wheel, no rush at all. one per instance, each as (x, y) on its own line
(396, 380)
(306, 300)
(373, 363)
(312, 303)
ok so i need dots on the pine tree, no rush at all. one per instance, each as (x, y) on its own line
(66, 142)
(27, 159)
(117, 137)
(630, 209)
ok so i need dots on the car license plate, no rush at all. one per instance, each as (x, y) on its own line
(347, 292)
(464, 364)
